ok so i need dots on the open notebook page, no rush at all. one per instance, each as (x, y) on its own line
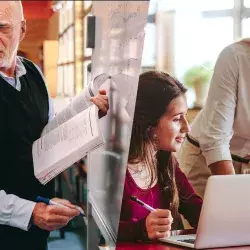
(66, 144)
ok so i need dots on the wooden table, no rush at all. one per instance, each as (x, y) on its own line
(165, 246)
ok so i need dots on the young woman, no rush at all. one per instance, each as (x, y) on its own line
(153, 175)
(219, 142)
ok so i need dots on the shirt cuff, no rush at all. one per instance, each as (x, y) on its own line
(217, 154)
(22, 214)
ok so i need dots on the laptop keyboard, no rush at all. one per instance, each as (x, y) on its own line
(191, 241)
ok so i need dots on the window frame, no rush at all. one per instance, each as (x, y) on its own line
(238, 13)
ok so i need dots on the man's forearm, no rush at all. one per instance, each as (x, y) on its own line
(222, 168)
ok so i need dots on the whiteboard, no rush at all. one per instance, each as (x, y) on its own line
(120, 32)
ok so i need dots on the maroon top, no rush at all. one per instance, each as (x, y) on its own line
(133, 216)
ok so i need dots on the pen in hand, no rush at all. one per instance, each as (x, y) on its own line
(50, 202)
(143, 204)
(135, 199)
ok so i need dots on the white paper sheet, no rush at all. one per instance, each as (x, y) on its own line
(66, 144)
(77, 105)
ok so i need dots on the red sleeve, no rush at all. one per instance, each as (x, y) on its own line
(190, 202)
(132, 230)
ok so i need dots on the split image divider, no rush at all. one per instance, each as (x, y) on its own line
(117, 53)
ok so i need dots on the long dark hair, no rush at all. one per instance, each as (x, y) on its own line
(155, 92)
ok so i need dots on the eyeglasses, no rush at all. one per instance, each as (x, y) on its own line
(6, 28)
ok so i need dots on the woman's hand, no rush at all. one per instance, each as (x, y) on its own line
(158, 224)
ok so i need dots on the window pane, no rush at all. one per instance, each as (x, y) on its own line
(245, 28)
(60, 80)
(213, 40)
(203, 39)
(70, 41)
(68, 80)
(247, 3)
(206, 5)
(197, 41)
(203, 5)
(148, 55)
(167, 5)
(152, 6)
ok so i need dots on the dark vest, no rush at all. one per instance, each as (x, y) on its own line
(23, 116)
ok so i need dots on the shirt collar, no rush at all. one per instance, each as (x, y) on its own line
(20, 69)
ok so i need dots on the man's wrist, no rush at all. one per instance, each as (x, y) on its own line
(222, 168)
(22, 214)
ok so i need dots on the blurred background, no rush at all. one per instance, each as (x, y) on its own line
(183, 38)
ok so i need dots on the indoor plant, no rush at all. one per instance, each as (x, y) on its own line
(198, 78)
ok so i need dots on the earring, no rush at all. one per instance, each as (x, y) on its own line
(152, 136)
(155, 141)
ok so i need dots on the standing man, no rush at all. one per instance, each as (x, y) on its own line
(25, 108)
(219, 141)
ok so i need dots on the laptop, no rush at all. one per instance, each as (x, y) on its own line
(225, 215)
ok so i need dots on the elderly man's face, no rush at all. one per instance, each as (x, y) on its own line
(11, 32)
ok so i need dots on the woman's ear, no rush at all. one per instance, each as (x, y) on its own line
(23, 30)
(151, 132)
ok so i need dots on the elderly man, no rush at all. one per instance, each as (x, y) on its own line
(25, 109)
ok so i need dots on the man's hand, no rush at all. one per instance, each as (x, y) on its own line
(158, 224)
(101, 101)
(51, 217)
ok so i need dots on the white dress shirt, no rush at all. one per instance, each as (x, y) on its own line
(14, 211)
(224, 123)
